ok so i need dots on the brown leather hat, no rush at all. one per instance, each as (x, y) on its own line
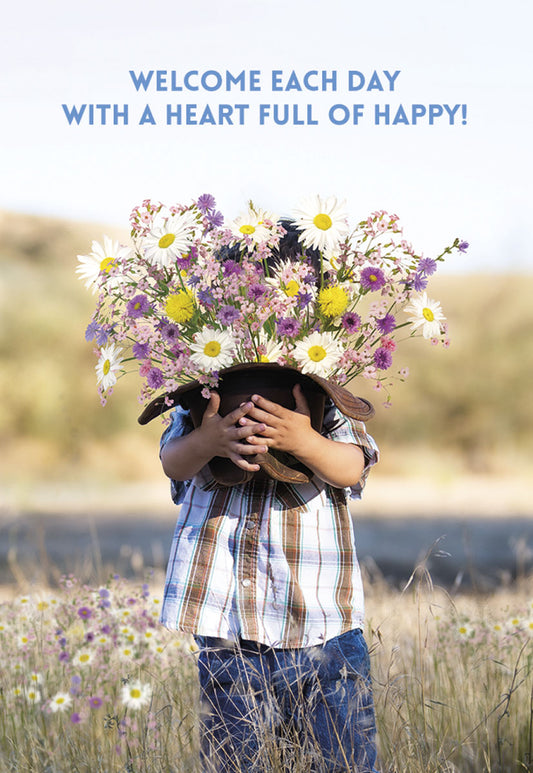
(275, 382)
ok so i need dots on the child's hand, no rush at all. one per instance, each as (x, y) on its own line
(285, 430)
(226, 436)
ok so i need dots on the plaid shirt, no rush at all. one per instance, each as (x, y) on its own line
(266, 561)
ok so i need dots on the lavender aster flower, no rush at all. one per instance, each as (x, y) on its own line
(138, 306)
(289, 327)
(216, 219)
(230, 267)
(351, 321)
(382, 358)
(205, 202)
(256, 291)
(427, 266)
(372, 278)
(154, 378)
(386, 324)
(85, 613)
(205, 297)
(303, 299)
(419, 282)
(141, 351)
(228, 315)
(462, 246)
(170, 332)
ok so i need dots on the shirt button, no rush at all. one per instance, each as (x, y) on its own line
(246, 583)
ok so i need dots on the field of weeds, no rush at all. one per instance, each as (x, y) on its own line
(91, 682)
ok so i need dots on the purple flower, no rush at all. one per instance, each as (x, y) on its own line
(228, 315)
(288, 326)
(106, 629)
(170, 332)
(205, 297)
(256, 291)
(137, 306)
(75, 718)
(382, 358)
(183, 263)
(205, 202)
(462, 246)
(303, 299)
(372, 278)
(154, 378)
(216, 219)
(85, 613)
(94, 702)
(89, 637)
(141, 351)
(386, 324)
(427, 266)
(63, 656)
(419, 282)
(351, 321)
(96, 331)
(230, 267)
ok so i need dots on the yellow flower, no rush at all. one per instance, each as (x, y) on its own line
(332, 301)
(180, 306)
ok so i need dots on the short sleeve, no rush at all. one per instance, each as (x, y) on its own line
(343, 429)
(180, 425)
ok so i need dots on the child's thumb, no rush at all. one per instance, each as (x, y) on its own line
(213, 405)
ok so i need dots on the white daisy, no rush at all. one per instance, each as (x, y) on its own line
(322, 222)
(271, 350)
(425, 314)
(135, 695)
(60, 702)
(32, 694)
(317, 353)
(108, 365)
(83, 657)
(171, 235)
(251, 224)
(94, 268)
(213, 349)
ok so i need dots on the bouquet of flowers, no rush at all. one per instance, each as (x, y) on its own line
(192, 295)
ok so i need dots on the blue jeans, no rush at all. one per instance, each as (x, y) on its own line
(265, 708)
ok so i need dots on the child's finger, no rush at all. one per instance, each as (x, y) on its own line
(301, 404)
(213, 405)
(237, 413)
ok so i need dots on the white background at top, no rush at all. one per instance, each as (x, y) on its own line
(470, 181)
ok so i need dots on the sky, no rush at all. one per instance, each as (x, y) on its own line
(466, 174)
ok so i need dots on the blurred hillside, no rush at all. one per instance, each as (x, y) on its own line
(466, 410)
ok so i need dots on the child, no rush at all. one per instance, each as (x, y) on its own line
(265, 575)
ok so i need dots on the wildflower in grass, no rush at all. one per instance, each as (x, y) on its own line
(85, 613)
(498, 629)
(17, 691)
(101, 639)
(75, 718)
(135, 695)
(465, 631)
(514, 623)
(126, 653)
(94, 702)
(528, 626)
(60, 702)
(32, 695)
(23, 639)
(83, 658)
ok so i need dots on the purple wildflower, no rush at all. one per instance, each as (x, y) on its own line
(85, 613)
(154, 378)
(183, 263)
(382, 358)
(427, 266)
(215, 219)
(63, 656)
(230, 267)
(228, 315)
(106, 629)
(303, 299)
(205, 202)
(256, 291)
(94, 702)
(96, 331)
(205, 297)
(372, 278)
(75, 718)
(386, 324)
(141, 351)
(289, 327)
(419, 282)
(170, 332)
(89, 636)
(351, 321)
(137, 306)
(462, 246)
